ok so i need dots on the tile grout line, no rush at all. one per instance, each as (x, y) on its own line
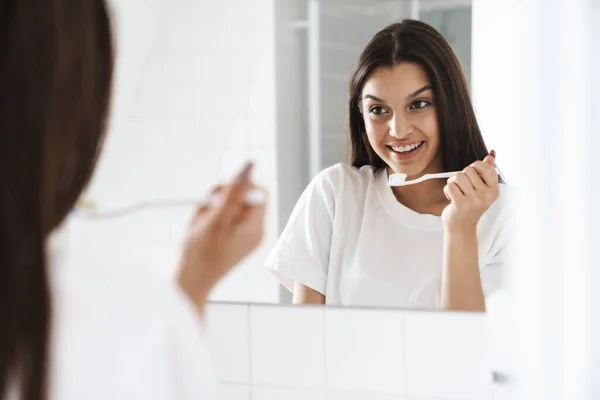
(319, 389)
(337, 307)
(404, 356)
(249, 340)
(324, 332)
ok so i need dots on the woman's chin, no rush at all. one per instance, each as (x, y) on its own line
(412, 170)
(409, 172)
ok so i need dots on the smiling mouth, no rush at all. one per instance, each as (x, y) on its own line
(405, 149)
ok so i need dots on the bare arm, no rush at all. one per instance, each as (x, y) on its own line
(461, 280)
(471, 193)
(305, 295)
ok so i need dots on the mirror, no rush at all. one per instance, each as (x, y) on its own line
(199, 91)
(325, 47)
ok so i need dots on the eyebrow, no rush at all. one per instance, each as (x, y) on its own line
(409, 97)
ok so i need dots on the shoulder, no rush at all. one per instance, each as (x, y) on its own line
(340, 184)
(124, 328)
(133, 290)
(342, 174)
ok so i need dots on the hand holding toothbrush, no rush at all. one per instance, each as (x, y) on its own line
(471, 192)
(221, 234)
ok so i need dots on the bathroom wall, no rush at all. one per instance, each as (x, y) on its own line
(269, 352)
(193, 99)
(491, 73)
(594, 230)
(546, 52)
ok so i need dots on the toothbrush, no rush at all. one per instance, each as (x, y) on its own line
(254, 197)
(399, 179)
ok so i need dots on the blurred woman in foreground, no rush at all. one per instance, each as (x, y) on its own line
(68, 333)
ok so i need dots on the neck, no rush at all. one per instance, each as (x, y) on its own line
(426, 197)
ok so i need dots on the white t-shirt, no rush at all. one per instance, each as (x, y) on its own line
(351, 240)
(124, 334)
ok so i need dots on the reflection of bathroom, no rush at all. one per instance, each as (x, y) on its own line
(292, 121)
(288, 114)
(328, 38)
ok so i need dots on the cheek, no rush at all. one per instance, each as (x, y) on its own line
(428, 126)
(376, 130)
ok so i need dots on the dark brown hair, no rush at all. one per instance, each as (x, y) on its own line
(56, 64)
(413, 41)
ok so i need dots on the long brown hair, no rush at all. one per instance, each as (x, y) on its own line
(413, 41)
(56, 65)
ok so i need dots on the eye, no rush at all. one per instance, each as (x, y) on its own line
(377, 110)
(419, 104)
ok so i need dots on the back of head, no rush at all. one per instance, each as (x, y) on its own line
(56, 61)
(461, 142)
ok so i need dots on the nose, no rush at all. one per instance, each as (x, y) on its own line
(400, 126)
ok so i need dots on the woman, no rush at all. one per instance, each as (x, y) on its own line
(70, 333)
(353, 240)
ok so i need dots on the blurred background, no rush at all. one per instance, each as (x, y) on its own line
(203, 86)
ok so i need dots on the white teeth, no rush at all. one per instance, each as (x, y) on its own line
(404, 149)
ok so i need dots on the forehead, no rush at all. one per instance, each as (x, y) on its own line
(398, 81)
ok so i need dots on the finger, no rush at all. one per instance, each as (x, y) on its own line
(215, 198)
(203, 208)
(252, 213)
(463, 183)
(234, 195)
(217, 189)
(200, 210)
(488, 173)
(453, 192)
(447, 191)
(474, 177)
(253, 208)
(491, 160)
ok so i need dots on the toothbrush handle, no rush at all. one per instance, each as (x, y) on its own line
(430, 176)
(449, 174)
(441, 175)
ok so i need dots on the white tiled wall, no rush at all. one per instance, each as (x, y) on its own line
(355, 336)
(323, 353)
(447, 355)
(230, 338)
(279, 348)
